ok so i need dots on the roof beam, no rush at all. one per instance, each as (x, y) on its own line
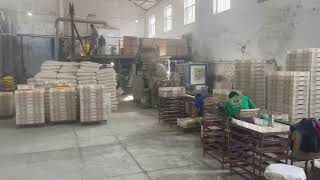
(138, 5)
(145, 4)
(158, 2)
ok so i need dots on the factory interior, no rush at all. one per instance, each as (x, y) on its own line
(159, 90)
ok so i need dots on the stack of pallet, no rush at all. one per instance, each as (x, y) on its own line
(308, 60)
(172, 47)
(63, 104)
(29, 107)
(48, 72)
(171, 104)
(250, 78)
(288, 93)
(107, 78)
(93, 104)
(86, 75)
(67, 73)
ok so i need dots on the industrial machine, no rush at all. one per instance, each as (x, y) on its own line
(193, 76)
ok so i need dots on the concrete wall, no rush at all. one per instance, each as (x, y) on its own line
(267, 29)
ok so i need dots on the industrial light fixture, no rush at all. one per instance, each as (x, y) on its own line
(29, 13)
(2, 15)
(137, 20)
(128, 98)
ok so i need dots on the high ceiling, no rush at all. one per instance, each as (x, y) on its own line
(145, 4)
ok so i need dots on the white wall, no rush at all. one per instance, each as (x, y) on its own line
(268, 28)
(178, 20)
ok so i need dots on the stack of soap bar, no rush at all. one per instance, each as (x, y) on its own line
(107, 77)
(93, 103)
(30, 107)
(63, 104)
(86, 75)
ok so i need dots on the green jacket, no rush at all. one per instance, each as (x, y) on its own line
(237, 103)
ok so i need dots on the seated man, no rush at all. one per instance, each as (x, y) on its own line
(199, 103)
(236, 103)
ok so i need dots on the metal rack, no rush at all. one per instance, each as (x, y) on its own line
(170, 109)
(251, 151)
(215, 132)
(216, 138)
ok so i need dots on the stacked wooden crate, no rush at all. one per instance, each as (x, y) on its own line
(63, 104)
(250, 78)
(308, 60)
(171, 104)
(93, 103)
(288, 93)
(107, 78)
(130, 45)
(29, 107)
(172, 47)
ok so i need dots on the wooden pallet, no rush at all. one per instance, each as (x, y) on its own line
(37, 125)
(63, 122)
(88, 123)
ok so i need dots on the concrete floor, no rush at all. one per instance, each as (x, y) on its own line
(132, 146)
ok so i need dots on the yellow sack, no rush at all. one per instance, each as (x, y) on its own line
(9, 83)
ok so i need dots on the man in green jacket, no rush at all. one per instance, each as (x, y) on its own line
(236, 103)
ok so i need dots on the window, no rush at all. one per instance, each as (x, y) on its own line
(189, 11)
(168, 18)
(152, 26)
(220, 6)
